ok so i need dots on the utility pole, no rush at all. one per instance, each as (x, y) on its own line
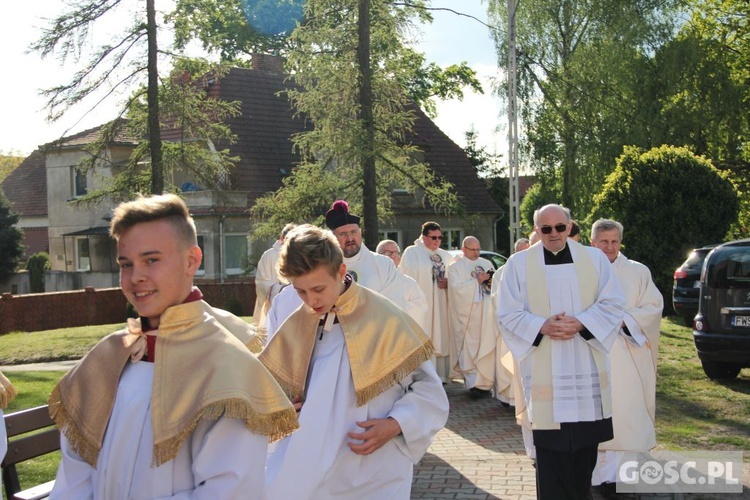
(513, 200)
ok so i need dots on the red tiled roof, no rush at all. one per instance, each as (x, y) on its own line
(26, 186)
(86, 137)
(267, 123)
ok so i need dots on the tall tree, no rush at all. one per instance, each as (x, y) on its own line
(574, 61)
(329, 63)
(11, 248)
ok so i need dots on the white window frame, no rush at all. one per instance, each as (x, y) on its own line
(235, 271)
(392, 234)
(75, 172)
(447, 237)
(78, 255)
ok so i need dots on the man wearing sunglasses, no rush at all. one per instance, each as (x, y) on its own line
(560, 307)
(427, 264)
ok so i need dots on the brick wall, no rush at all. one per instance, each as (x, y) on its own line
(47, 311)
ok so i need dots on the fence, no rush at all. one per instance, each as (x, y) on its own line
(47, 311)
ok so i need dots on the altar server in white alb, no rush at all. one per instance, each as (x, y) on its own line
(427, 264)
(357, 368)
(266, 278)
(472, 318)
(175, 405)
(367, 268)
(560, 308)
(633, 357)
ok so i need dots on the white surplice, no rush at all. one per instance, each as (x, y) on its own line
(316, 463)
(507, 381)
(424, 266)
(472, 323)
(571, 359)
(266, 276)
(220, 459)
(370, 270)
(633, 367)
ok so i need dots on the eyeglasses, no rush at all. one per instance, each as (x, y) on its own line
(346, 234)
(560, 228)
(435, 238)
(388, 253)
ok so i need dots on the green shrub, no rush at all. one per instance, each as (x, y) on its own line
(233, 306)
(669, 201)
(36, 265)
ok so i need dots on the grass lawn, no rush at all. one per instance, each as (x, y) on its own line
(692, 411)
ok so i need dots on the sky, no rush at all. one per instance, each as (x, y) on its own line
(450, 39)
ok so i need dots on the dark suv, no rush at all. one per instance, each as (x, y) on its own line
(722, 326)
(687, 283)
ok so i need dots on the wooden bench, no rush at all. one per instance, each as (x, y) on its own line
(23, 447)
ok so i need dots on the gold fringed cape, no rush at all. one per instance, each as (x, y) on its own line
(7, 391)
(383, 342)
(203, 370)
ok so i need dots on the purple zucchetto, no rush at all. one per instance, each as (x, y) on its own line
(339, 215)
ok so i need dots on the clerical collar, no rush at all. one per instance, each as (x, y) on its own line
(562, 257)
(195, 295)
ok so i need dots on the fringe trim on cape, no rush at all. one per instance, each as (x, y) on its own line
(390, 379)
(89, 452)
(274, 425)
(258, 341)
(7, 393)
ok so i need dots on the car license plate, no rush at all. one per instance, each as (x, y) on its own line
(741, 321)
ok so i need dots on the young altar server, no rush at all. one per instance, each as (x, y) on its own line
(357, 368)
(175, 405)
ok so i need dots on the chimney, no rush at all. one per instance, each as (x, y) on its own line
(268, 63)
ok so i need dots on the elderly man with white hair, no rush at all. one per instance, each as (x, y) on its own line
(633, 356)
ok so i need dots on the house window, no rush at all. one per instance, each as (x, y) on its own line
(80, 183)
(452, 239)
(202, 245)
(391, 234)
(235, 254)
(83, 258)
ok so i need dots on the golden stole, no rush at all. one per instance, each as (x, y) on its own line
(383, 342)
(542, 394)
(202, 371)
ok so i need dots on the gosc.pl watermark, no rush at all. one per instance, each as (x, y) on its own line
(679, 472)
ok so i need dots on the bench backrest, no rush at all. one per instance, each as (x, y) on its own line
(25, 447)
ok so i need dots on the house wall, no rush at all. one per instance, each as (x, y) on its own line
(65, 217)
(410, 227)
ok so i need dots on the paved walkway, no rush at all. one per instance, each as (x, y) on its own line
(478, 455)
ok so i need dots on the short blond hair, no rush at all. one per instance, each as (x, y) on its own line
(169, 207)
(307, 247)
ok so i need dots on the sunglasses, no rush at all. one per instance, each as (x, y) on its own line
(560, 228)
(435, 238)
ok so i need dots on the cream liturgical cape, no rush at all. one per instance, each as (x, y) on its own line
(633, 364)
(265, 277)
(7, 393)
(473, 323)
(423, 266)
(369, 365)
(586, 289)
(195, 422)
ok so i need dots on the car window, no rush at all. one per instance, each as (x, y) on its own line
(695, 259)
(730, 268)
